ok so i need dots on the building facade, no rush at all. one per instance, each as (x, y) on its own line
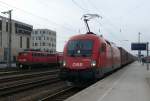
(20, 38)
(44, 40)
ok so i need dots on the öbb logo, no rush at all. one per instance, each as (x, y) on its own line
(77, 64)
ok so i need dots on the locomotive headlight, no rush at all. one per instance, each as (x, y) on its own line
(64, 63)
(93, 63)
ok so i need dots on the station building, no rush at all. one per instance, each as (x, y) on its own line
(44, 40)
(20, 38)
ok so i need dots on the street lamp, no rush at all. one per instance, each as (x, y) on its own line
(139, 52)
(9, 38)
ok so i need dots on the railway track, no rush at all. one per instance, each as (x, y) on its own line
(62, 94)
(15, 88)
(40, 92)
(6, 71)
(14, 77)
(3, 73)
(15, 83)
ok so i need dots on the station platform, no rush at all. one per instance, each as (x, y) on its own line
(4, 65)
(131, 83)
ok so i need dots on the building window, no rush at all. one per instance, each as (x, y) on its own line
(6, 26)
(52, 45)
(36, 44)
(43, 43)
(1, 39)
(0, 24)
(49, 44)
(23, 29)
(35, 32)
(43, 32)
(39, 38)
(20, 41)
(40, 44)
(28, 42)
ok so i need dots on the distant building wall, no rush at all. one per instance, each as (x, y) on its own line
(44, 39)
(20, 36)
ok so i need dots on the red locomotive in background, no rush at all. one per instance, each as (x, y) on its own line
(88, 57)
(38, 58)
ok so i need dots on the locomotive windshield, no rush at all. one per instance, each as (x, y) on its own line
(23, 53)
(80, 48)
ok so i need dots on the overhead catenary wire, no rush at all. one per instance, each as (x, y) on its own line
(119, 29)
(105, 17)
(79, 6)
(110, 31)
(7, 6)
(37, 16)
(95, 7)
(32, 20)
(46, 5)
(45, 19)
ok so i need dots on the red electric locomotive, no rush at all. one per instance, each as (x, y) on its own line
(36, 58)
(88, 57)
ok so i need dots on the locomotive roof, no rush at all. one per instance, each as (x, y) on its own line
(88, 35)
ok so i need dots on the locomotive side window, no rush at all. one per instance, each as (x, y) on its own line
(39, 54)
(44, 54)
(25, 54)
(32, 54)
(35, 54)
(103, 47)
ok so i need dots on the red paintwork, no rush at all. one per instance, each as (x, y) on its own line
(36, 57)
(77, 66)
(108, 59)
(60, 57)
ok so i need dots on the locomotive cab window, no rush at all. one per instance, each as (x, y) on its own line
(80, 48)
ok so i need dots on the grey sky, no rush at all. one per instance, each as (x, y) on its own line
(64, 16)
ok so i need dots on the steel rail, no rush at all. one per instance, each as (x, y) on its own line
(5, 91)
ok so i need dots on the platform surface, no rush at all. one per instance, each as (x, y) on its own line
(4, 65)
(132, 83)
